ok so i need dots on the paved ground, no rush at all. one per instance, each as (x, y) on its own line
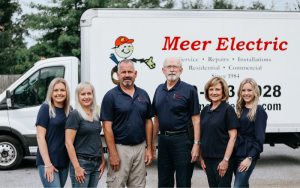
(279, 166)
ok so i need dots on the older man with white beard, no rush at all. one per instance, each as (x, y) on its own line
(176, 109)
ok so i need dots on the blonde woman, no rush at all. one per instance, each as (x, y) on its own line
(83, 141)
(219, 125)
(251, 135)
(52, 158)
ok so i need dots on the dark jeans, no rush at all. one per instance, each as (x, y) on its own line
(242, 178)
(60, 177)
(92, 176)
(213, 177)
(174, 154)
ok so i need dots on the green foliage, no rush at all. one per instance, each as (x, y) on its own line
(168, 4)
(257, 5)
(222, 4)
(60, 23)
(11, 39)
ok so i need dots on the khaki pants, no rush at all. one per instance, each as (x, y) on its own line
(132, 171)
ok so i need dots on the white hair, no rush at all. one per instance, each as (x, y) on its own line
(49, 99)
(79, 108)
(125, 61)
(174, 57)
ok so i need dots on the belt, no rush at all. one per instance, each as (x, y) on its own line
(90, 159)
(129, 144)
(171, 133)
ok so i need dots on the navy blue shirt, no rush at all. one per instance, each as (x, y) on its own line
(87, 141)
(127, 113)
(214, 129)
(175, 107)
(251, 135)
(55, 136)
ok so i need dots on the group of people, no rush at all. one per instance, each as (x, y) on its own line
(227, 142)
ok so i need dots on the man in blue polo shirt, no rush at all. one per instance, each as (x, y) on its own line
(175, 105)
(126, 114)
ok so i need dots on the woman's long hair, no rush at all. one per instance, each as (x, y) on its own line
(79, 108)
(241, 103)
(49, 100)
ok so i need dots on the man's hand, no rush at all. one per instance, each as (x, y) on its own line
(195, 153)
(148, 157)
(114, 162)
(149, 62)
(153, 150)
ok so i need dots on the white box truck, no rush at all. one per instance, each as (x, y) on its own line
(263, 45)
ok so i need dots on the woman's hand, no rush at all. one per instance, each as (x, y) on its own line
(223, 166)
(79, 174)
(49, 173)
(101, 168)
(245, 164)
(202, 164)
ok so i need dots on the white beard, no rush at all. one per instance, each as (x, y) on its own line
(173, 77)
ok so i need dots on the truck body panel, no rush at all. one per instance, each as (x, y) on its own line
(209, 43)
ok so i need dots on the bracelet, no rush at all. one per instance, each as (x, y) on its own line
(48, 166)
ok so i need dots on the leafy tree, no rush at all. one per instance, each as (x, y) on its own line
(11, 39)
(60, 24)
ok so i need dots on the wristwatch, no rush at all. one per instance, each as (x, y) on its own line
(226, 159)
(198, 143)
(250, 158)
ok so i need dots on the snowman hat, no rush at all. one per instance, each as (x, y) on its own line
(122, 40)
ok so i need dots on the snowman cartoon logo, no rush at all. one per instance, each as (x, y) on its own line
(124, 49)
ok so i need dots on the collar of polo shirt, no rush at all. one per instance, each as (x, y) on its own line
(121, 92)
(219, 108)
(175, 87)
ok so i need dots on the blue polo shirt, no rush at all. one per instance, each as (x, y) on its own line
(175, 107)
(127, 114)
(214, 129)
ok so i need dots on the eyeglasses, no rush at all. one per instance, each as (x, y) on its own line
(174, 67)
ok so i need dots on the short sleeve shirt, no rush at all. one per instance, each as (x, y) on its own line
(175, 107)
(127, 113)
(87, 141)
(214, 129)
(55, 136)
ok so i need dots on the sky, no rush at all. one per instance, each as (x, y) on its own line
(279, 5)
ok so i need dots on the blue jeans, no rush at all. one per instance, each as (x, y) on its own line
(60, 177)
(174, 154)
(213, 177)
(242, 178)
(92, 176)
